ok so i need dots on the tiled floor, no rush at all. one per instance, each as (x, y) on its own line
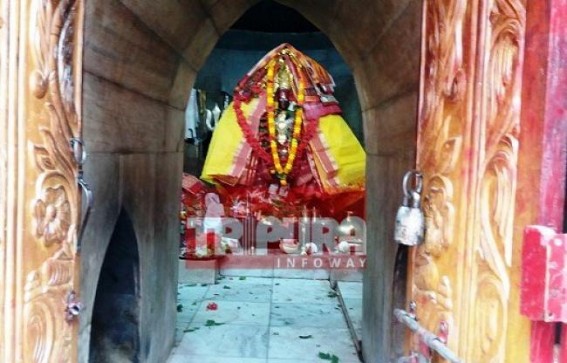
(261, 320)
(352, 296)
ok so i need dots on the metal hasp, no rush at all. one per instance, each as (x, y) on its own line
(80, 156)
(432, 341)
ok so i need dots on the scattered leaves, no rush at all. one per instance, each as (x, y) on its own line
(332, 294)
(242, 278)
(306, 336)
(190, 330)
(327, 356)
(226, 287)
(212, 323)
(179, 308)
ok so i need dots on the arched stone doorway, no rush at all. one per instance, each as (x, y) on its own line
(140, 60)
(40, 73)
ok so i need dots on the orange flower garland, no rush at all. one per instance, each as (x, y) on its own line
(295, 147)
(283, 171)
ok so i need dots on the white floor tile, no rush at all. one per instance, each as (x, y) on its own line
(307, 315)
(312, 274)
(316, 360)
(303, 291)
(235, 312)
(295, 343)
(354, 309)
(350, 289)
(176, 358)
(191, 292)
(263, 320)
(229, 341)
(247, 272)
(253, 289)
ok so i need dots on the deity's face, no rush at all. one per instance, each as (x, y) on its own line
(283, 98)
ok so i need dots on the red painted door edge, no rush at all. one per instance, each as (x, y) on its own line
(544, 131)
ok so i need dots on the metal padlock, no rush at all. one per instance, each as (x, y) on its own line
(410, 221)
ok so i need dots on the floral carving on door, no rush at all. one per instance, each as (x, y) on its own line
(53, 109)
(467, 149)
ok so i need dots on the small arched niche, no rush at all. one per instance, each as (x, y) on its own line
(115, 320)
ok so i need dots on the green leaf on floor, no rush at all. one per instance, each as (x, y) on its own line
(212, 323)
(327, 356)
(306, 336)
(226, 287)
(179, 308)
(204, 285)
(190, 330)
(332, 294)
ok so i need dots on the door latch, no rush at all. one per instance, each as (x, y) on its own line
(429, 342)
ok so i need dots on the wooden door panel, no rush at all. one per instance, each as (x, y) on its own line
(443, 128)
(467, 149)
(41, 84)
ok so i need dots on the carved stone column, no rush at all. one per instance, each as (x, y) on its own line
(40, 204)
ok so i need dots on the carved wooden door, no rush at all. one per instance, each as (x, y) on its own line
(40, 92)
(466, 272)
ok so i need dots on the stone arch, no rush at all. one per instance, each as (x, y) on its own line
(140, 60)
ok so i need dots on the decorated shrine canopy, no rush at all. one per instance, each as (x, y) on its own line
(283, 134)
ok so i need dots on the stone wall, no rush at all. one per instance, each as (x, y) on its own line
(140, 61)
(133, 134)
(390, 117)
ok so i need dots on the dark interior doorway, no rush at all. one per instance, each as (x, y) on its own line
(115, 322)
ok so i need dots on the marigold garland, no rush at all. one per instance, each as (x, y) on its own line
(283, 171)
(248, 133)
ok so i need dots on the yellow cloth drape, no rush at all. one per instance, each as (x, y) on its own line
(336, 140)
(345, 150)
(226, 141)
